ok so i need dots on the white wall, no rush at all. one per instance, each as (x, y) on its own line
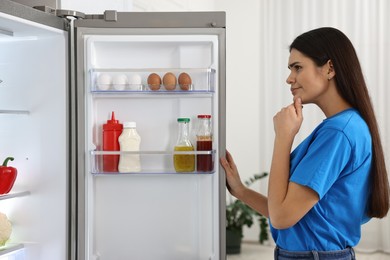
(244, 89)
(96, 7)
(99, 6)
(365, 22)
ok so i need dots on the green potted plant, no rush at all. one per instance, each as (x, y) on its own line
(239, 215)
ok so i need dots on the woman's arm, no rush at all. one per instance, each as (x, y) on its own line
(250, 197)
(288, 202)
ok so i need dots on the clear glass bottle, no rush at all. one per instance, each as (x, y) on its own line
(184, 162)
(204, 142)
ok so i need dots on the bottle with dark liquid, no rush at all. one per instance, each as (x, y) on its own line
(204, 142)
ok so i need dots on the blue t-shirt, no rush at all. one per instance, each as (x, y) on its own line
(334, 161)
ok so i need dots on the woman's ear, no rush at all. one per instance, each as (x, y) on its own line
(331, 71)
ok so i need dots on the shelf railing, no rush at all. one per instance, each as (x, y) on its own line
(14, 195)
(152, 162)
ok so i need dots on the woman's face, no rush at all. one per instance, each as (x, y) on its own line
(306, 79)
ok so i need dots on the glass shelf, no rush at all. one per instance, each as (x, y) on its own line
(136, 80)
(14, 112)
(14, 195)
(152, 162)
(9, 248)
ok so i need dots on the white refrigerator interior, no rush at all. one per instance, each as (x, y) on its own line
(156, 213)
(33, 71)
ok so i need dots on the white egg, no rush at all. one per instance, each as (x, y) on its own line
(119, 81)
(135, 82)
(104, 81)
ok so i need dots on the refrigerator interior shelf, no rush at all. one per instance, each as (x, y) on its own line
(9, 248)
(14, 112)
(152, 80)
(152, 162)
(14, 195)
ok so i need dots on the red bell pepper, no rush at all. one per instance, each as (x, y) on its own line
(7, 176)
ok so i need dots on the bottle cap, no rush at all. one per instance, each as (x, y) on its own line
(204, 116)
(129, 125)
(183, 120)
(112, 124)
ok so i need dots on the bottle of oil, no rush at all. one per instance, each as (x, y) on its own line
(184, 162)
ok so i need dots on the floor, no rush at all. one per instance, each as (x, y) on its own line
(259, 252)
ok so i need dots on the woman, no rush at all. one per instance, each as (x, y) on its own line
(336, 179)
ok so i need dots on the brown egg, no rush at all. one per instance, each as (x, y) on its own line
(154, 81)
(169, 81)
(185, 81)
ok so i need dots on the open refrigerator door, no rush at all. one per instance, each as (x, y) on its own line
(33, 119)
(154, 212)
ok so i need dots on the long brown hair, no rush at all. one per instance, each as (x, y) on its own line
(322, 45)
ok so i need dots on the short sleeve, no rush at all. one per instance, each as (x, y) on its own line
(326, 157)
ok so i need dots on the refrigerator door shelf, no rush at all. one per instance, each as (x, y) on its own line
(150, 94)
(141, 88)
(152, 162)
(136, 80)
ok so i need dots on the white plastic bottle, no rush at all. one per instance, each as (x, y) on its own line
(129, 140)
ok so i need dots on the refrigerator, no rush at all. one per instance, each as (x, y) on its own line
(53, 105)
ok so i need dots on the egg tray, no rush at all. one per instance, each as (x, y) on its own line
(177, 87)
(141, 80)
(144, 88)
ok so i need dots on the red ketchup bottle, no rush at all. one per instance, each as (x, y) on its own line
(204, 142)
(111, 132)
